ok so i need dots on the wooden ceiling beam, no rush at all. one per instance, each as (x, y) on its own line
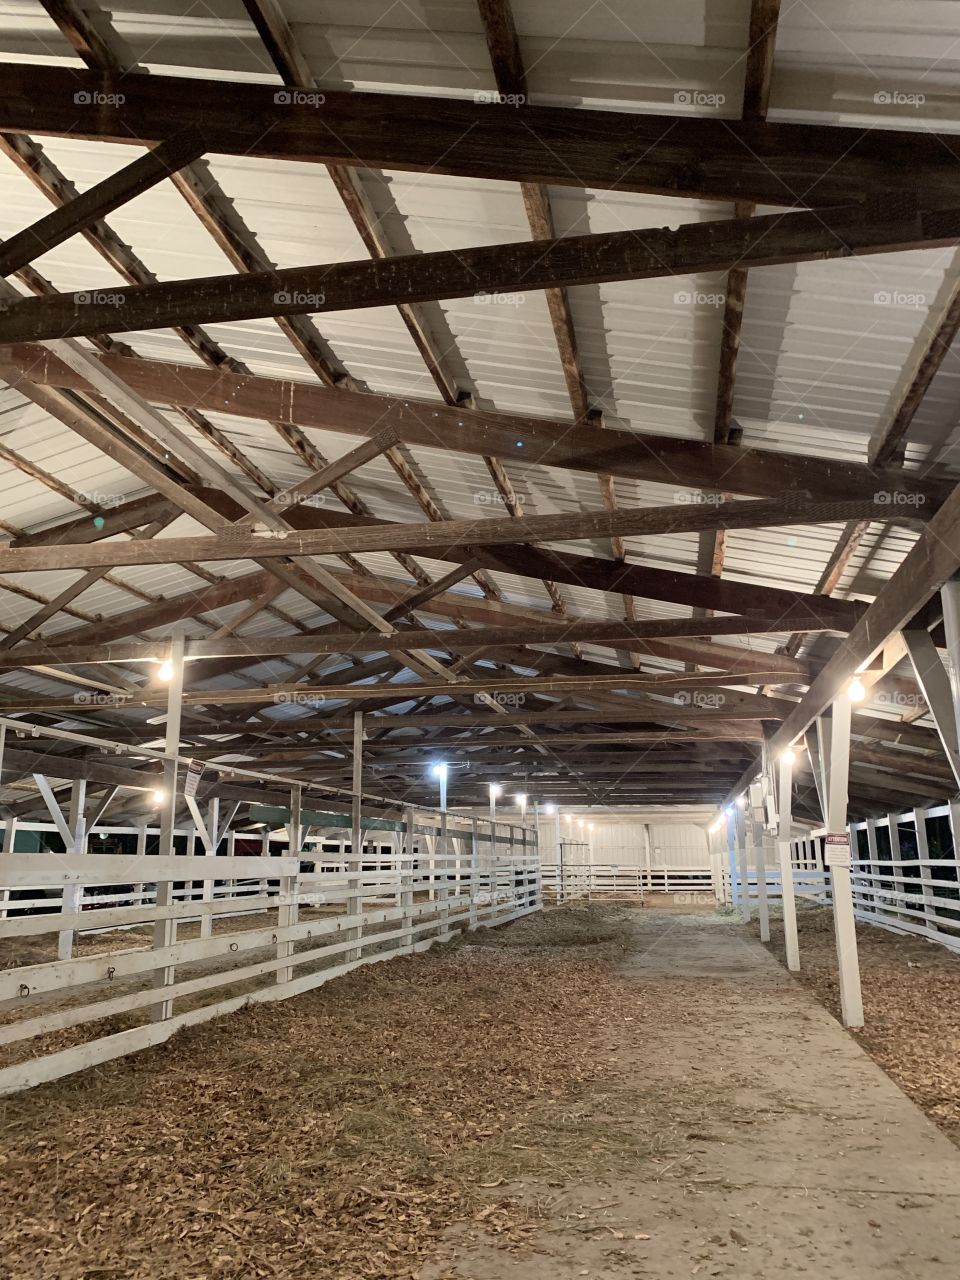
(468, 641)
(102, 198)
(642, 254)
(659, 458)
(728, 160)
(228, 545)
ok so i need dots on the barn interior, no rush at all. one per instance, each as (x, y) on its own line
(465, 469)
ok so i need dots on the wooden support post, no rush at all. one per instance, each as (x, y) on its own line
(896, 868)
(784, 821)
(9, 839)
(206, 894)
(741, 819)
(838, 767)
(355, 876)
(923, 857)
(492, 871)
(442, 872)
(733, 897)
(474, 869)
(165, 930)
(950, 600)
(141, 853)
(77, 843)
(407, 878)
(288, 909)
(758, 838)
(265, 853)
(231, 854)
(876, 883)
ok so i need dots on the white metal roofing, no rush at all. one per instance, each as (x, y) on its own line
(826, 347)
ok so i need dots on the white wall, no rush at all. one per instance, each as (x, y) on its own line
(623, 841)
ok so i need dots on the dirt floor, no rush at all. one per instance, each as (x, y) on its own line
(594, 1091)
(911, 1001)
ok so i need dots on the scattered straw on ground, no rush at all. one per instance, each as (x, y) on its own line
(337, 1134)
(911, 1000)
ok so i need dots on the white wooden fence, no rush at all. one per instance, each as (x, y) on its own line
(266, 927)
(905, 874)
(600, 881)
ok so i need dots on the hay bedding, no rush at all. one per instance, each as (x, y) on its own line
(911, 1000)
(337, 1134)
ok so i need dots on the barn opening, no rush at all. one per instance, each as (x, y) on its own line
(479, 639)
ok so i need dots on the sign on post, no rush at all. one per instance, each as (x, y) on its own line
(192, 779)
(836, 849)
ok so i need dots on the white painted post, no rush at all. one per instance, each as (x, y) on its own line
(474, 869)
(206, 893)
(442, 866)
(288, 909)
(896, 867)
(784, 821)
(492, 909)
(9, 827)
(232, 853)
(355, 870)
(407, 879)
(9, 837)
(165, 931)
(845, 928)
(950, 599)
(264, 884)
(141, 853)
(923, 856)
(741, 820)
(732, 896)
(756, 829)
(73, 893)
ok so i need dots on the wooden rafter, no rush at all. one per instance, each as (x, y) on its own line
(781, 164)
(659, 458)
(642, 254)
(296, 544)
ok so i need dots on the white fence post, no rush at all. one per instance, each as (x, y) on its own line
(287, 906)
(851, 999)
(785, 820)
(165, 929)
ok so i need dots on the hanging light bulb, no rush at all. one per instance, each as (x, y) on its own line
(788, 756)
(166, 670)
(856, 692)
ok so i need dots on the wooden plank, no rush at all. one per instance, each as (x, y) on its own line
(432, 425)
(451, 639)
(648, 521)
(642, 254)
(55, 869)
(99, 200)
(777, 164)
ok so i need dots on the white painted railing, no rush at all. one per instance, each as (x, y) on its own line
(597, 881)
(264, 927)
(904, 874)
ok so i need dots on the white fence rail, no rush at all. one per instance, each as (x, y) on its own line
(228, 930)
(599, 881)
(905, 874)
